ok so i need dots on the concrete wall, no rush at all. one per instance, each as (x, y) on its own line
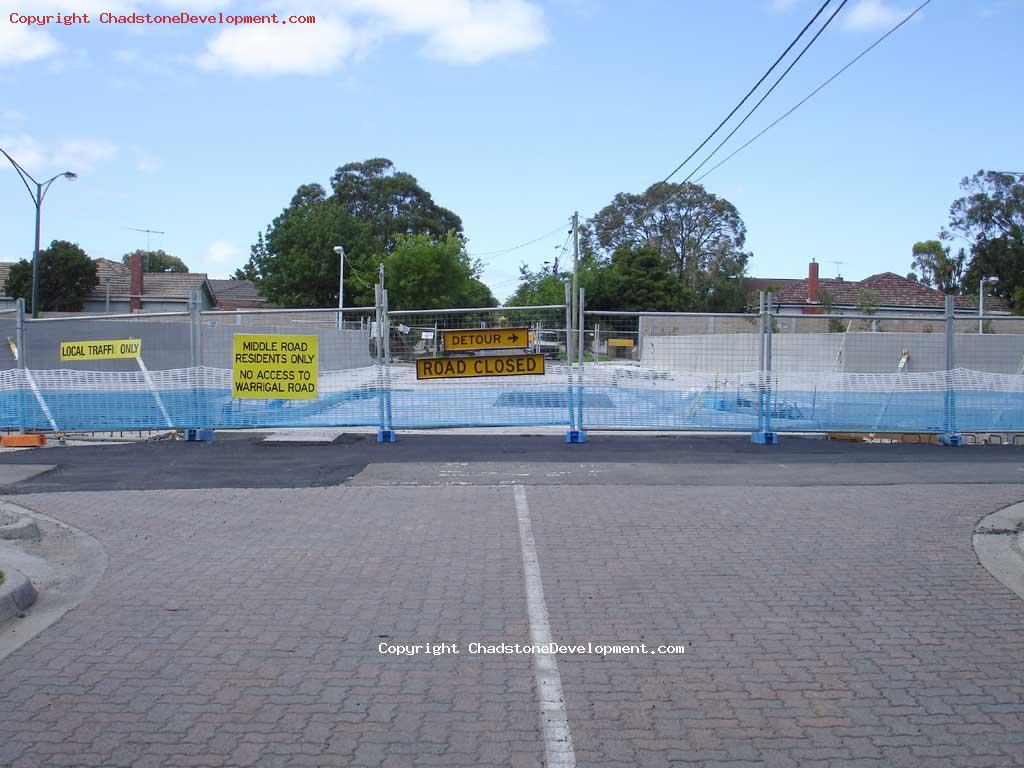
(839, 352)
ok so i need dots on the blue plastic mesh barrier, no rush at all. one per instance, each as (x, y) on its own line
(646, 372)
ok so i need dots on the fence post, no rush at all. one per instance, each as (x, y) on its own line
(201, 430)
(764, 434)
(578, 435)
(949, 435)
(384, 432)
(570, 435)
(19, 348)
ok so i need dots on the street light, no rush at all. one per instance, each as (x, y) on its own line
(340, 250)
(37, 198)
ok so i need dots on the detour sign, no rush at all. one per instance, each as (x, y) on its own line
(475, 367)
(486, 338)
(274, 366)
(116, 349)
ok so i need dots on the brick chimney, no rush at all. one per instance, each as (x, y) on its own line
(813, 292)
(137, 286)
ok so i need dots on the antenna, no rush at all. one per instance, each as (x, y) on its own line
(148, 233)
(837, 264)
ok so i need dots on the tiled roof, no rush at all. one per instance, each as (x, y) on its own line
(757, 284)
(155, 285)
(235, 290)
(894, 291)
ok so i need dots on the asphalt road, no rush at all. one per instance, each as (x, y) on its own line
(245, 461)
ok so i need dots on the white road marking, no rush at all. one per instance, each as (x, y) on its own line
(558, 751)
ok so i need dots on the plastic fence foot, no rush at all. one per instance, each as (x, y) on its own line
(198, 435)
(765, 438)
(951, 440)
(575, 436)
(386, 436)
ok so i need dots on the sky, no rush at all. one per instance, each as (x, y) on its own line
(512, 113)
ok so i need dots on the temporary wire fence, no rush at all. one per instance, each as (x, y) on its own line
(759, 372)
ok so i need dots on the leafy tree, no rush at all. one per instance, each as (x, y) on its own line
(835, 325)
(868, 301)
(937, 266)
(642, 280)
(698, 234)
(66, 276)
(545, 286)
(423, 273)
(990, 217)
(157, 261)
(369, 210)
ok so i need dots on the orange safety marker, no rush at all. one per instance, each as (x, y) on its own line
(22, 441)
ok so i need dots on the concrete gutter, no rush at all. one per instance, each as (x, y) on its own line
(16, 594)
(999, 544)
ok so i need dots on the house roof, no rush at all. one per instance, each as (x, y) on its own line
(757, 284)
(235, 290)
(894, 291)
(155, 285)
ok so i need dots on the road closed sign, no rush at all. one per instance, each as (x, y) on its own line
(113, 349)
(486, 338)
(479, 367)
(274, 366)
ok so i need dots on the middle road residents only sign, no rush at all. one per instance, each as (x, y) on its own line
(274, 366)
(486, 338)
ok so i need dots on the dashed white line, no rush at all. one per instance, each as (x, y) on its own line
(558, 750)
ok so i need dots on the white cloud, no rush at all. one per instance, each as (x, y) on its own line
(71, 153)
(783, 5)
(11, 116)
(873, 14)
(276, 50)
(456, 31)
(222, 252)
(20, 44)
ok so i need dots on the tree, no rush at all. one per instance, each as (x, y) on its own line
(370, 209)
(937, 266)
(641, 280)
(990, 217)
(545, 286)
(156, 261)
(66, 276)
(699, 235)
(423, 273)
(868, 301)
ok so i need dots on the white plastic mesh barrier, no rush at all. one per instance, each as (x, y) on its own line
(640, 371)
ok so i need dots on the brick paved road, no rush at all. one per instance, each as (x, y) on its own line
(840, 626)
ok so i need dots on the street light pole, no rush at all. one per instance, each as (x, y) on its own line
(37, 196)
(340, 250)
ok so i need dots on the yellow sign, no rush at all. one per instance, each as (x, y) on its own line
(620, 342)
(274, 367)
(117, 349)
(476, 367)
(486, 338)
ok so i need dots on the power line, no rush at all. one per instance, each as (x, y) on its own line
(817, 90)
(749, 93)
(769, 91)
(521, 245)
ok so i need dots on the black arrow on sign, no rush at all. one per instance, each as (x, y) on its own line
(514, 338)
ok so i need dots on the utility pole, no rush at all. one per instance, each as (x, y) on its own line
(340, 250)
(575, 264)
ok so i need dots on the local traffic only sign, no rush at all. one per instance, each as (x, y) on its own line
(477, 367)
(114, 349)
(274, 366)
(486, 338)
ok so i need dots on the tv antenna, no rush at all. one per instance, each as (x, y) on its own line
(148, 232)
(837, 264)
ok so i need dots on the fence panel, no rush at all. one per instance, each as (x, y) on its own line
(349, 371)
(670, 370)
(990, 374)
(518, 400)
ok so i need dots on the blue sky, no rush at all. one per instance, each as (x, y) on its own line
(513, 113)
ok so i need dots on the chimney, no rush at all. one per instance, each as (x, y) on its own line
(813, 294)
(136, 287)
